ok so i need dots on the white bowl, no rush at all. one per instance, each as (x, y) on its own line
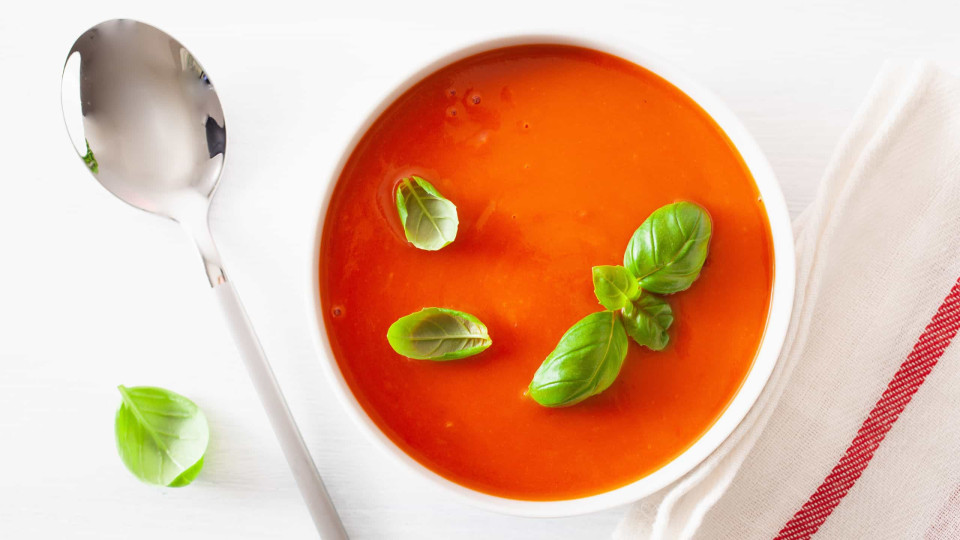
(781, 302)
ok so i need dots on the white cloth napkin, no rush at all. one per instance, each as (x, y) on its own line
(850, 413)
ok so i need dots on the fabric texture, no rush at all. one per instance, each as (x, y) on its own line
(857, 433)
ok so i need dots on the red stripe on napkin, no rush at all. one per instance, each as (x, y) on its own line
(928, 349)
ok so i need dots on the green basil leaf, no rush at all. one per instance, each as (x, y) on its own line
(667, 252)
(614, 286)
(429, 220)
(438, 334)
(647, 320)
(90, 159)
(586, 361)
(161, 435)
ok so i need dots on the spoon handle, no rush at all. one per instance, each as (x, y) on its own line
(298, 457)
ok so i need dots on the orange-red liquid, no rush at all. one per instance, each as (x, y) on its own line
(553, 155)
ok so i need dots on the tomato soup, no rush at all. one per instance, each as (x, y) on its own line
(553, 155)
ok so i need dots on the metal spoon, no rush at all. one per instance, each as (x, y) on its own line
(146, 120)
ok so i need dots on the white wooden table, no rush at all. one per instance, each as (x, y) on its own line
(94, 294)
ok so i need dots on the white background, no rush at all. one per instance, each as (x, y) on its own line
(94, 294)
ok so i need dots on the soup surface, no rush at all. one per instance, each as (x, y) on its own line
(553, 155)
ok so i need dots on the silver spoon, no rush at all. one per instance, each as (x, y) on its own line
(146, 120)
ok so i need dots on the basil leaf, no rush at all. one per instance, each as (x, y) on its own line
(667, 252)
(161, 435)
(90, 159)
(438, 334)
(585, 362)
(429, 220)
(647, 321)
(614, 286)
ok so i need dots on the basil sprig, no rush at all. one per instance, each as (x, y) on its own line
(665, 256)
(429, 220)
(438, 334)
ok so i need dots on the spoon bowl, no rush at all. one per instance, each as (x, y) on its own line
(145, 117)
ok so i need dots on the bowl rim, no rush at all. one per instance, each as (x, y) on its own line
(779, 312)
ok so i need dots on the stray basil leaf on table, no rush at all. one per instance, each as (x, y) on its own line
(161, 436)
